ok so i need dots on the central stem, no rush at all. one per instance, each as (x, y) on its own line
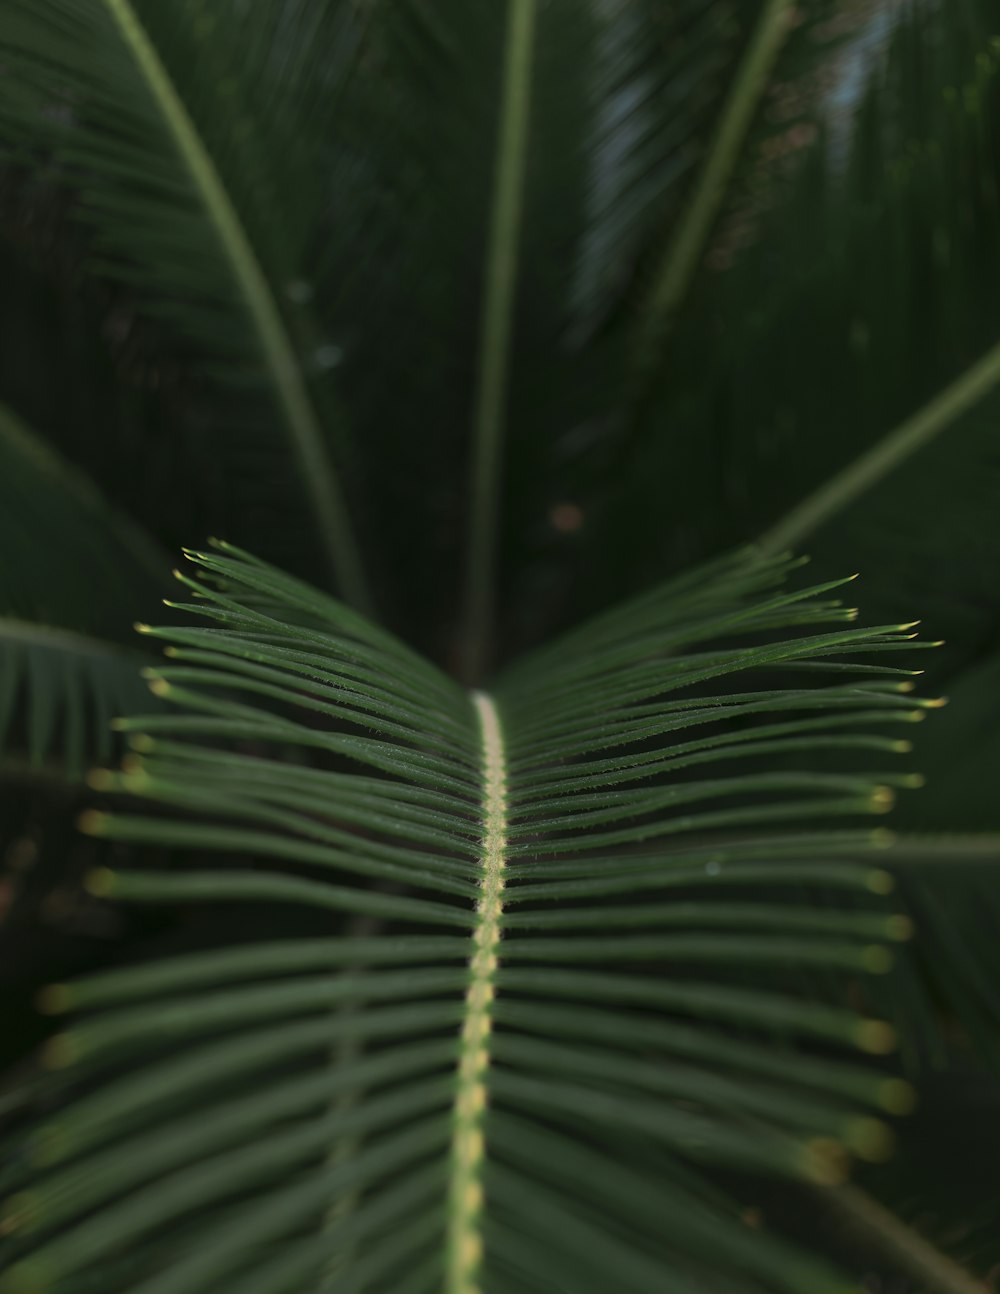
(465, 1243)
(500, 275)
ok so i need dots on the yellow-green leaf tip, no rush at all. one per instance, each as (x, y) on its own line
(870, 1139)
(100, 882)
(877, 1037)
(882, 799)
(54, 999)
(92, 822)
(825, 1161)
(876, 959)
(896, 1096)
(61, 1051)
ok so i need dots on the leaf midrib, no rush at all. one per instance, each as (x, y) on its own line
(465, 1193)
(889, 453)
(496, 327)
(318, 476)
(683, 254)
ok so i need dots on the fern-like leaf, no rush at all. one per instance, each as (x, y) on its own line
(67, 592)
(203, 202)
(482, 1091)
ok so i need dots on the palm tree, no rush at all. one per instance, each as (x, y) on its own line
(489, 897)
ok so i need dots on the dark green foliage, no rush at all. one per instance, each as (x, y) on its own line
(642, 906)
(482, 320)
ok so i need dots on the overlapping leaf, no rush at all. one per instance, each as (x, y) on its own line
(63, 604)
(511, 1060)
(190, 136)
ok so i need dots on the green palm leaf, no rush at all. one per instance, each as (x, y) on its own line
(67, 592)
(60, 571)
(59, 692)
(157, 122)
(524, 1074)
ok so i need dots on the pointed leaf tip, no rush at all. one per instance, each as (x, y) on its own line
(882, 799)
(61, 1051)
(101, 880)
(877, 1037)
(896, 1096)
(876, 959)
(825, 1161)
(92, 822)
(871, 1140)
(54, 999)
(900, 927)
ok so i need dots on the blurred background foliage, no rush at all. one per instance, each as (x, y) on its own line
(707, 329)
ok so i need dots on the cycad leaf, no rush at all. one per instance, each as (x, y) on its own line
(872, 258)
(59, 692)
(524, 1069)
(199, 195)
(61, 541)
(73, 575)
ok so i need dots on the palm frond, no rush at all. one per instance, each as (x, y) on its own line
(68, 589)
(679, 263)
(49, 570)
(539, 1074)
(938, 415)
(873, 263)
(947, 885)
(495, 343)
(904, 1246)
(197, 169)
(59, 692)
